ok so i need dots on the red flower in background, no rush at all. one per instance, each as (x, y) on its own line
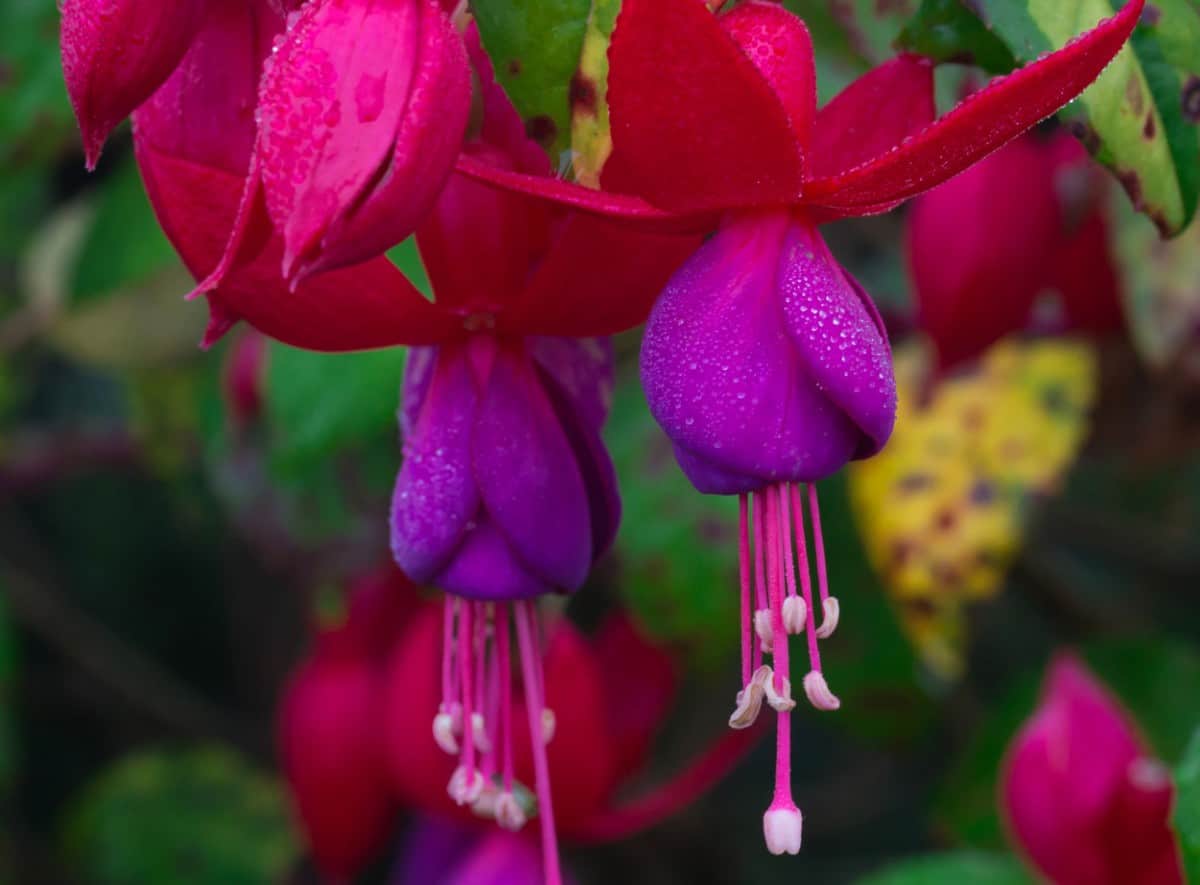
(330, 727)
(1028, 220)
(1085, 799)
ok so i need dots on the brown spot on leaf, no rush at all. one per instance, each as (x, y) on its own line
(1151, 15)
(1086, 135)
(1150, 129)
(583, 94)
(1134, 95)
(542, 130)
(514, 66)
(1191, 99)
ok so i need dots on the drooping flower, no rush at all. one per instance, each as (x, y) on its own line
(1085, 799)
(116, 53)
(506, 492)
(330, 725)
(1028, 220)
(763, 360)
(441, 852)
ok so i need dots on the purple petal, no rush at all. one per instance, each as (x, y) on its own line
(839, 335)
(527, 474)
(723, 377)
(435, 497)
(500, 858)
(418, 372)
(583, 368)
(485, 566)
(430, 848)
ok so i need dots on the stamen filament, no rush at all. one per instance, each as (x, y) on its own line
(535, 701)
(744, 575)
(814, 654)
(783, 741)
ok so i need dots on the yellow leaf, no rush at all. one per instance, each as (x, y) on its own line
(941, 509)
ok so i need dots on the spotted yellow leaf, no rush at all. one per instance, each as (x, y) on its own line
(941, 509)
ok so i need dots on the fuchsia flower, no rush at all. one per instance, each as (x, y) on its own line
(763, 360)
(506, 491)
(440, 852)
(115, 53)
(330, 723)
(1084, 798)
(1046, 230)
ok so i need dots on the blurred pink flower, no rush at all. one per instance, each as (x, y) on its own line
(1086, 801)
(1027, 220)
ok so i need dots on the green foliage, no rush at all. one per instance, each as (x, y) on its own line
(1186, 814)
(319, 403)
(194, 817)
(953, 869)
(124, 244)
(35, 116)
(946, 31)
(1140, 116)
(678, 548)
(535, 47)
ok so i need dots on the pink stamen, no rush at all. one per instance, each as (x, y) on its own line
(810, 630)
(448, 649)
(814, 511)
(744, 574)
(505, 670)
(531, 665)
(760, 581)
(466, 638)
(788, 560)
(783, 740)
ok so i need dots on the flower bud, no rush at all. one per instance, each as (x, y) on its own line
(115, 53)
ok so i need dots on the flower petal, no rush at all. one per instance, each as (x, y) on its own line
(599, 278)
(979, 125)
(1064, 774)
(1001, 217)
(368, 305)
(436, 497)
(361, 114)
(873, 115)
(116, 53)
(723, 378)
(841, 341)
(640, 684)
(528, 476)
(698, 125)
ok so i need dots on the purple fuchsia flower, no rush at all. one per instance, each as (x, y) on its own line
(506, 492)
(1085, 799)
(764, 361)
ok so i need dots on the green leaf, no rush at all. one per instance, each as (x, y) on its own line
(124, 244)
(194, 817)
(864, 29)
(677, 548)
(319, 403)
(946, 31)
(535, 47)
(1135, 118)
(1185, 817)
(591, 136)
(35, 116)
(953, 869)
(1156, 679)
